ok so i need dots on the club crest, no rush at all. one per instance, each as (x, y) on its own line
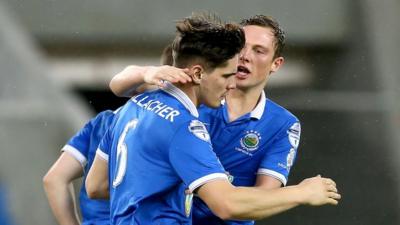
(251, 140)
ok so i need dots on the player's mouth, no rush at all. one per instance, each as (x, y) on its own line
(242, 72)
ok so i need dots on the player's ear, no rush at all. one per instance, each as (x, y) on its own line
(196, 73)
(277, 63)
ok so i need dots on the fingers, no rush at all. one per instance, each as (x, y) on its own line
(334, 195)
(173, 75)
(332, 201)
(333, 198)
(332, 188)
(329, 181)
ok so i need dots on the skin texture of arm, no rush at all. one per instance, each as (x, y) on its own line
(97, 179)
(136, 79)
(229, 202)
(57, 185)
(267, 182)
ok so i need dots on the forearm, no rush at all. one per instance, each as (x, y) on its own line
(97, 190)
(61, 201)
(137, 79)
(125, 83)
(248, 203)
(256, 203)
(97, 179)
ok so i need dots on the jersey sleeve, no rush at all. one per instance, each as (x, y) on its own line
(192, 156)
(78, 145)
(281, 155)
(104, 147)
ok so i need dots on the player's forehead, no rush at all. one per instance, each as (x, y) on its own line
(230, 66)
(259, 35)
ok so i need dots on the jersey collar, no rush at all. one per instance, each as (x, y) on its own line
(181, 97)
(259, 109)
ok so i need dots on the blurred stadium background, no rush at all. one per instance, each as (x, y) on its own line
(341, 78)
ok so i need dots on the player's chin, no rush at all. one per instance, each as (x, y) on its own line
(214, 104)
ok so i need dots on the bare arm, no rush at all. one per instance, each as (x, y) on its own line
(136, 79)
(229, 202)
(57, 183)
(97, 179)
(267, 182)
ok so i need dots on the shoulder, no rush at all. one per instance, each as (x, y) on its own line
(284, 119)
(279, 112)
(193, 133)
(105, 115)
(104, 118)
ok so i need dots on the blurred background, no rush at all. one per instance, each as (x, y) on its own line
(341, 78)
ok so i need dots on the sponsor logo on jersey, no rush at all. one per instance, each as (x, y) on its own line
(294, 135)
(290, 158)
(188, 204)
(199, 130)
(251, 140)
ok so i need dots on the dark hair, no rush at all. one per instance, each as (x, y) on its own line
(205, 39)
(267, 21)
(166, 56)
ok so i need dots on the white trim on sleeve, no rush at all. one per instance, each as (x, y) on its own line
(202, 180)
(274, 174)
(102, 155)
(75, 153)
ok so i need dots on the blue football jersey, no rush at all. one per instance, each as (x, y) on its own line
(5, 216)
(82, 146)
(263, 141)
(156, 149)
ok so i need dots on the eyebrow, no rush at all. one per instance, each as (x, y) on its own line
(260, 46)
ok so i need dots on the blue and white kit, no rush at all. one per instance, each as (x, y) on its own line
(156, 149)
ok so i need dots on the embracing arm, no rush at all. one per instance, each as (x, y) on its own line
(57, 185)
(136, 79)
(97, 179)
(267, 182)
(229, 202)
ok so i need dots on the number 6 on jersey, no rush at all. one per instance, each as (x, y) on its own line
(122, 153)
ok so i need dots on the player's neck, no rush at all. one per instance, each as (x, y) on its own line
(241, 102)
(190, 91)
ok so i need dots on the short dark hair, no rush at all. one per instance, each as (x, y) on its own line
(269, 22)
(205, 39)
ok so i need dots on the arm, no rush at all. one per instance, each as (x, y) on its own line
(136, 79)
(267, 182)
(229, 202)
(276, 164)
(57, 183)
(97, 179)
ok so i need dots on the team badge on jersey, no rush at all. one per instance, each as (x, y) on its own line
(188, 204)
(294, 135)
(199, 130)
(251, 140)
(230, 177)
